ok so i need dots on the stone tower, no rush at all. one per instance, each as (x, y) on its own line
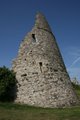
(40, 71)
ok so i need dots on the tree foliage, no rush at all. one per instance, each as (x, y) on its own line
(7, 84)
(75, 81)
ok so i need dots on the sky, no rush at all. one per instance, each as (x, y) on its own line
(17, 18)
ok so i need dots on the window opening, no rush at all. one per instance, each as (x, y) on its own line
(40, 64)
(34, 38)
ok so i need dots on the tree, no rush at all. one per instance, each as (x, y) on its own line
(7, 84)
(75, 81)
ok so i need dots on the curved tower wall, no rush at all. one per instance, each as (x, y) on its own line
(40, 70)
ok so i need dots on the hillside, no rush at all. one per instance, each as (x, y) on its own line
(9, 111)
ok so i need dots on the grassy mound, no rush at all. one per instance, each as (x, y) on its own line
(10, 111)
(23, 112)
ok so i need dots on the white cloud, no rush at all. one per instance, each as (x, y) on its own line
(74, 72)
(73, 51)
(75, 61)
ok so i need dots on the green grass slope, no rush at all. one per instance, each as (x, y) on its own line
(9, 111)
(23, 112)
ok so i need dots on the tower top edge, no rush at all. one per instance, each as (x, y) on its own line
(41, 22)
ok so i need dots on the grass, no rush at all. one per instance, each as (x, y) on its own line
(10, 111)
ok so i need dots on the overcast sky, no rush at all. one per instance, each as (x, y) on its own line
(17, 18)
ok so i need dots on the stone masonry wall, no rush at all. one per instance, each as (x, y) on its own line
(40, 70)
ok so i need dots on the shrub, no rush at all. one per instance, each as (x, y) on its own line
(7, 84)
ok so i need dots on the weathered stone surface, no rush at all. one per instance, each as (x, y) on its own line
(40, 70)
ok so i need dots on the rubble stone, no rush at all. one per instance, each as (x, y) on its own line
(40, 71)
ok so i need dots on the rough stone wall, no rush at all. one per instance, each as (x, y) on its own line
(40, 70)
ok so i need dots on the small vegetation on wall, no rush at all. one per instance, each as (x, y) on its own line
(7, 84)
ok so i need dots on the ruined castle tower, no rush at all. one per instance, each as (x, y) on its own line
(40, 70)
